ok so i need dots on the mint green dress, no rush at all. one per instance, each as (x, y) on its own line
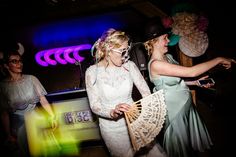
(184, 131)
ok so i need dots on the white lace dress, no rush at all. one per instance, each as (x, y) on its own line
(107, 87)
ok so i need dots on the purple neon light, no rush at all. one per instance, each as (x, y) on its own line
(38, 58)
(57, 55)
(47, 58)
(67, 56)
(61, 55)
(78, 48)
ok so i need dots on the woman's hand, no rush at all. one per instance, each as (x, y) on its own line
(119, 110)
(208, 85)
(53, 122)
(226, 62)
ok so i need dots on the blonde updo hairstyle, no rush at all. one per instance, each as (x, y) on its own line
(110, 39)
(149, 45)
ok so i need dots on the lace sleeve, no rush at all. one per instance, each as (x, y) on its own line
(139, 80)
(40, 90)
(93, 94)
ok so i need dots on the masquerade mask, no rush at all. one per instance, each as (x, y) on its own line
(124, 53)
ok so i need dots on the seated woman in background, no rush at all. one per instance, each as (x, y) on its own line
(19, 93)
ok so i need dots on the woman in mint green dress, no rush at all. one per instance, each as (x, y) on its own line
(184, 131)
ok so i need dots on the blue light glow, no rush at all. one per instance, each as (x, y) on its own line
(83, 30)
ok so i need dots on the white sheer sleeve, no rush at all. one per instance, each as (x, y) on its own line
(40, 90)
(139, 80)
(93, 94)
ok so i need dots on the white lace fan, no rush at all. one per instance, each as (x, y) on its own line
(145, 119)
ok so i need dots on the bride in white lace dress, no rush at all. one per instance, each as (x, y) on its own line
(109, 85)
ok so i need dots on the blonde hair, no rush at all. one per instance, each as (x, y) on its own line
(149, 45)
(110, 39)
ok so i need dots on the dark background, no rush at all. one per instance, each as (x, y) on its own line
(20, 20)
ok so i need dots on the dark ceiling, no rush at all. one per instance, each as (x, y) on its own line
(20, 13)
(32, 11)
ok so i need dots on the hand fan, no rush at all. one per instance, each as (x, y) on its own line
(145, 119)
